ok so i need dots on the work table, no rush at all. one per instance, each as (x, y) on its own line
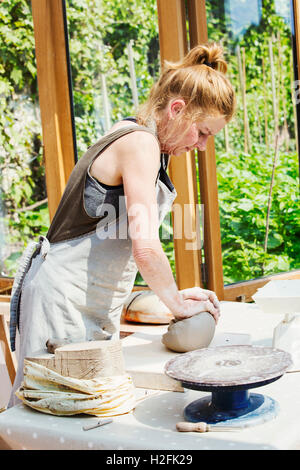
(152, 424)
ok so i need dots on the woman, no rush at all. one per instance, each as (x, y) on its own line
(73, 284)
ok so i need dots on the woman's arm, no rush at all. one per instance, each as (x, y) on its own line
(138, 155)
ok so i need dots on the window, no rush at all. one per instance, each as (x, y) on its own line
(258, 180)
(114, 56)
(23, 200)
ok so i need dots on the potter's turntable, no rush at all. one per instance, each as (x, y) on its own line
(228, 372)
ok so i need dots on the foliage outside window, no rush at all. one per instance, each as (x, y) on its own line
(99, 37)
(23, 203)
(256, 35)
(99, 34)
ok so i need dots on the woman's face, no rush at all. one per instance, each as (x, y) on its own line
(182, 141)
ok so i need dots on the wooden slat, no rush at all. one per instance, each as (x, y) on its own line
(54, 97)
(243, 291)
(5, 286)
(197, 22)
(188, 246)
(182, 170)
(172, 29)
(9, 356)
(208, 172)
(212, 231)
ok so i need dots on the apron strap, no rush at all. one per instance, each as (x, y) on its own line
(42, 246)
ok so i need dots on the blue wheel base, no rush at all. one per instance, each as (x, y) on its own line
(233, 410)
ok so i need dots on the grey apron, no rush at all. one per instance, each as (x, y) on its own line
(75, 289)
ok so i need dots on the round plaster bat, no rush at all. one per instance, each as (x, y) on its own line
(191, 333)
(146, 307)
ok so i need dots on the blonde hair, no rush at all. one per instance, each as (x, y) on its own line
(204, 88)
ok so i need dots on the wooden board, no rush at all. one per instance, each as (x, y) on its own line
(6, 284)
(243, 291)
(145, 357)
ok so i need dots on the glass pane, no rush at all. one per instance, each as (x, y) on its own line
(114, 55)
(23, 201)
(258, 185)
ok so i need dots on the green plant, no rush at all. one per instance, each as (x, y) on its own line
(98, 36)
(21, 159)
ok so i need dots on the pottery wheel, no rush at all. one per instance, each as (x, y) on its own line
(229, 366)
(228, 372)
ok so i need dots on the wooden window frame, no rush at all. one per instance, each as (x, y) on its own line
(55, 96)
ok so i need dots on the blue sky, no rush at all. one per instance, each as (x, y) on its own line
(243, 13)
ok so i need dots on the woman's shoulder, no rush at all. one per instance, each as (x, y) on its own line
(121, 124)
(130, 151)
(144, 133)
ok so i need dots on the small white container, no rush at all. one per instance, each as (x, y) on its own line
(283, 297)
(279, 296)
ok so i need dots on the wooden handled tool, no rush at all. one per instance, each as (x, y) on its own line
(203, 427)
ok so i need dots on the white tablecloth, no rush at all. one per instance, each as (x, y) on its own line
(152, 424)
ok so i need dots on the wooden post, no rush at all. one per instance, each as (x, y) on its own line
(54, 96)
(173, 42)
(245, 101)
(282, 95)
(242, 76)
(208, 172)
(257, 118)
(105, 101)
(226, 139)
(173, 46)
(265, 102)
(279, 74)
(134, 91)
(276, 151)
(275, 110)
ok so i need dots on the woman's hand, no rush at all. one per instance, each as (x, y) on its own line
(196, 300)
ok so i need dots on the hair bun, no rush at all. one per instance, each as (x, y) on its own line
(206, 92)
(210, 54)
